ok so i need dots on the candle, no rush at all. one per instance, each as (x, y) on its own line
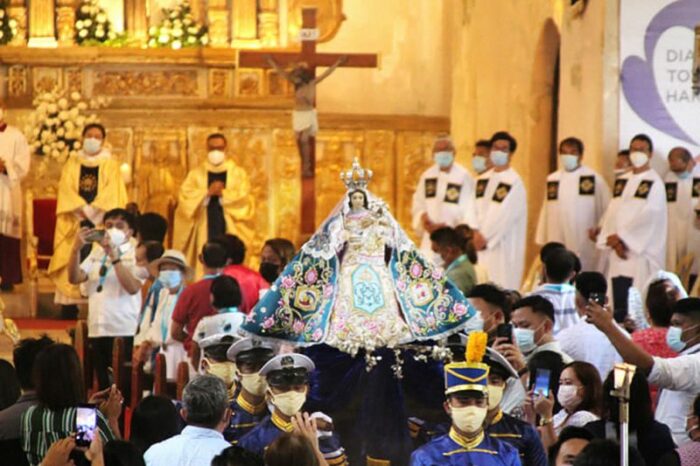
(125, 169)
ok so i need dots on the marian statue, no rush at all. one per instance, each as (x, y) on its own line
(360, 283)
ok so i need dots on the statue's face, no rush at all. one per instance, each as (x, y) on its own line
(357, 200)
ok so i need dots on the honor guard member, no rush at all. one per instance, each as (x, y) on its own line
(249, 407)
(444, 196)
(287, 377)
(466, 387)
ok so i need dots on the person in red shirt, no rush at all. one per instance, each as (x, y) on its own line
(250, 281)
(195, 300)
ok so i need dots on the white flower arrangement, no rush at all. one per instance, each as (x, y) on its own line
(178, 29)
(56, 124)
(92, 26)
(8, 25)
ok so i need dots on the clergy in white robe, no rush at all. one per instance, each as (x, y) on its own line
(634, 227)
(574, 202)
(501, 216)
(682, 191)
(14, 165)
(444, 196)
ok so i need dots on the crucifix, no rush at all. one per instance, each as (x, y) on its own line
(304, 78)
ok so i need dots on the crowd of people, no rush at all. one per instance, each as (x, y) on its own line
(533, 387)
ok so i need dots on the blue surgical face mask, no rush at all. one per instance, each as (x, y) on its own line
(525, 339)
(444, 158)
(479, 163)
(569, 162)
(92, 146)
(170, 278)
(499, 158)
(673, 338)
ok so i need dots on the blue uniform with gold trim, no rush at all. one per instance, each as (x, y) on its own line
(244, 417)
(257, 440)
(448, 450)
(522, 436)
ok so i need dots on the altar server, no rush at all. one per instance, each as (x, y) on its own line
(501, 216)
(575, 200)
(444, 196)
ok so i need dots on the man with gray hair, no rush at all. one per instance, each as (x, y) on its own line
(205, 409)
(444, 196)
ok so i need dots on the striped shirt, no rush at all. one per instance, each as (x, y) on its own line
(41, 427)
(563, 298)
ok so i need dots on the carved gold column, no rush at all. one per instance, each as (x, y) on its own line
(65, 22)
(136, 18)
(18, 11)
(244, 22)
(42, 32)
(218, 23)
(268, 22)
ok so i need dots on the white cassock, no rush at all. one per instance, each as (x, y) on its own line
(683, 237)
(573, 203)
(501, 217)
(638, 215)
(14, 152)
(447, 197)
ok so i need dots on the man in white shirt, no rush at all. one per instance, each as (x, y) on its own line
(583, 341)
(112, 281)
(678, 378)
(559, 270)
(682, 191)
(574, 203)
(444, 196)
(206, 412)
(501, 216)
(14, 165)
(633, 228)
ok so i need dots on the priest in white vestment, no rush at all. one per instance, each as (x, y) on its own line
(634, 227)
(574, 202)
(444, 196)
(501, 216)
(14, 165)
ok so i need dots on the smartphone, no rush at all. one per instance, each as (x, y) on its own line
(598, 298)
(505, 331)
(95, 235)
(85, 424)
(542, 382)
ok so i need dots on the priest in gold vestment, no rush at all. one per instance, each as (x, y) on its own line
(91, 184)
(214, 200)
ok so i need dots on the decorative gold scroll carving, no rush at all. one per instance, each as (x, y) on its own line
(151, 83)
(74, 79)
(65, 22)
(286, 176)
(17, 81)
(218, 83)
(249, 82)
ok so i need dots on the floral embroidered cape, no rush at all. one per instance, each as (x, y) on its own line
(298, 306)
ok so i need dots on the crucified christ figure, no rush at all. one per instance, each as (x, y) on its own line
(304, 117)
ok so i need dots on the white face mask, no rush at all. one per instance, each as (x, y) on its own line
(253, 383)
(499, 158)
(289, 403)
(92, 146)
(479, 164)
(116, 236)
(569, 162)
(639, 159)
(495, 395)
(468, 419)
(568, 397)
(216, 157)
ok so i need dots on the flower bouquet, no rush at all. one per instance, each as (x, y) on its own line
(8, 26)
(92, 27)
(178, 29)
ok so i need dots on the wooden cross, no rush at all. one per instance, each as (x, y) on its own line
(308, 55)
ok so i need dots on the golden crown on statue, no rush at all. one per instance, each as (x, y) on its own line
(357, 177)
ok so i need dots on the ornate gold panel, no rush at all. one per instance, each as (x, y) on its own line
(17, 81)
(150, 83)
(74, 79)
(286, 174)
(249, 82)
(378, 155)
(335, 151)
(45, 79)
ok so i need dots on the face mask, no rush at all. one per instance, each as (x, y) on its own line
(568, 397)
(92, 145)
(495, 395)
(479, 163)
(253, 383)
(444, 158)
(170, 278)
(673, 338)
(525, 339)
(639, 159)
(468, 419)
(289, 403)
(216, 157)
(684, 175)
(499, 158)
(226, 371)
(116, 236)
(569, 162)
(269, 271)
